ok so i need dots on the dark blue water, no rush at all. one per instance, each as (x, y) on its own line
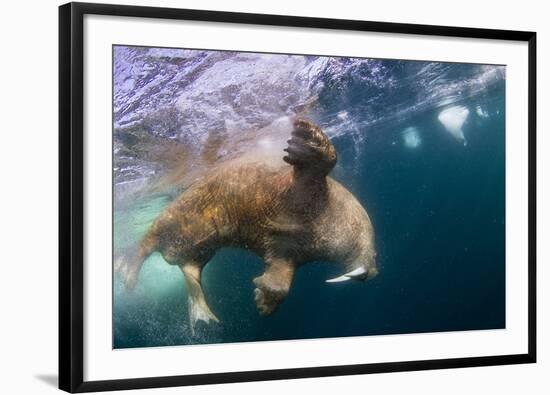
(438, 210)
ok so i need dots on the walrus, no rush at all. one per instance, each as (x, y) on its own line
(289, 214)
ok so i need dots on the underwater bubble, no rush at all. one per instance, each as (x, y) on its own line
(453, 119)
(411, 137)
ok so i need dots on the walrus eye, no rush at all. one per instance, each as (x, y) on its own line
(358, 273)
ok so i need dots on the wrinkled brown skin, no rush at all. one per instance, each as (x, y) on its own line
(287, 214)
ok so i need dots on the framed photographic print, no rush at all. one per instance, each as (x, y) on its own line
(256, 197)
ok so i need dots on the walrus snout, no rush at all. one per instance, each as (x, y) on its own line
(373, 272)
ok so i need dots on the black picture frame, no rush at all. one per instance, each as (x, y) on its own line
(71, 197)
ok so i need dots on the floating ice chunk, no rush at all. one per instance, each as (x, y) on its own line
(481, 112)
(453, 118)
(411, 137)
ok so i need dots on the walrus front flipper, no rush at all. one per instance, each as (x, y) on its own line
(273, 285)
(310, 150)
(198, 308)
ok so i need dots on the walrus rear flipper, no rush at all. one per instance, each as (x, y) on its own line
(130, 261)
(198, 308)
(128, 265)
(310, 150)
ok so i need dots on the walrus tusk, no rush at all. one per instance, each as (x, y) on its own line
(356, 273)
(339, 279)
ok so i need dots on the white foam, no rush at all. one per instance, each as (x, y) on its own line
(343, 115)
(453, 119)
(411, 137)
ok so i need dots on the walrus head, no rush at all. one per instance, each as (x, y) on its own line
(361, 265)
